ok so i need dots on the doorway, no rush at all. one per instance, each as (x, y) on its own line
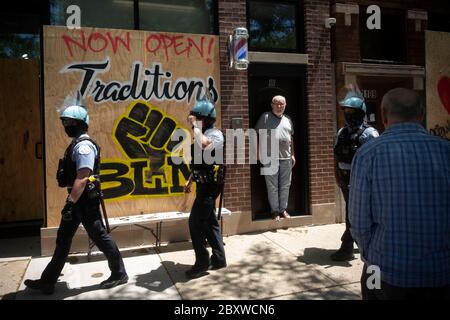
(373, 90)
(266, 81)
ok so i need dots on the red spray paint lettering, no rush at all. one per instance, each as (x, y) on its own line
(156, 43)
(179, 46)
(97, 42)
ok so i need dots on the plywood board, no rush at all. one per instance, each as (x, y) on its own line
(21, 183)
(438, 83)
(139, 87)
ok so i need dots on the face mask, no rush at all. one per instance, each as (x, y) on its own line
(72, 131)
(354, 120)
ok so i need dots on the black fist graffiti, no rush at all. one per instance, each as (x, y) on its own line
(145, 133)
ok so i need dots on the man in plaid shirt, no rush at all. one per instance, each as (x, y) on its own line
(399, 206)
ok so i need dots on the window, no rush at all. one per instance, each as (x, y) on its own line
(385, 45)
(20, 45)
(438, 22)
(19, 31)
(189, 16)
(117, 14)
(273, 26)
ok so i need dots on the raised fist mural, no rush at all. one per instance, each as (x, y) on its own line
(144, 135)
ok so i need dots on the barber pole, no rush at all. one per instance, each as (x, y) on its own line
(240, 36)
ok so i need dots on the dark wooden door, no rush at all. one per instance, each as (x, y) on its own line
(21, 185)
(265, 82)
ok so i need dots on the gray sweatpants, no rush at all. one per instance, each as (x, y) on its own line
(278, 186)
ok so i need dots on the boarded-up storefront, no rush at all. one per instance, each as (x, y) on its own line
(139, 87)
(438, 83)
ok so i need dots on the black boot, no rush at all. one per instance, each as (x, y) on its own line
(45, 288)
(345, 253)
(112, 282)
(196, 271)
(217, 264)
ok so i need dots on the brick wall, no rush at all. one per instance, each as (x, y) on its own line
(344, 36)
(320, 102)
(320, 99)
(234, 95)
(346, 39)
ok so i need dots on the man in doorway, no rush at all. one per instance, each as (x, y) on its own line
(399, 206)
(279, 127)
(349, 138)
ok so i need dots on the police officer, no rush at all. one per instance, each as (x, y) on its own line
(207, 172)
(81, 159)
(349, 138)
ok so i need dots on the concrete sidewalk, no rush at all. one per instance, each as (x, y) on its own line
(289, 264)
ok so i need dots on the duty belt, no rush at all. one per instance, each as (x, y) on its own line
(213, 175)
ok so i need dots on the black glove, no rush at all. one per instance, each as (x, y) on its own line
(66, 212)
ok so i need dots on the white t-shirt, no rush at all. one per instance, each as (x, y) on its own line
(284, 130)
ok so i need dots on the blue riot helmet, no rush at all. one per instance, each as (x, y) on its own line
(204, 109)
(77, 113)
(73, 108)
(354, 100)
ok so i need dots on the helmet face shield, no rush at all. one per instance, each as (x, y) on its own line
(197, 115)
(67, 122)
(73, 127)
(354, 117)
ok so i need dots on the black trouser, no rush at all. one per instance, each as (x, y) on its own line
(389, 292)
(347, 239)
(203, 225)
(88, 213)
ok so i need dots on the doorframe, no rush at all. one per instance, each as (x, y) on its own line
(45, 21)
(299, 72)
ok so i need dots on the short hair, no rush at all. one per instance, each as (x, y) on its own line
(278, 97)
(404, 104)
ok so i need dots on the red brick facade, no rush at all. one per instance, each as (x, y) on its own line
(346, 38)
(320, 102)
(326, 49)
(234, 93)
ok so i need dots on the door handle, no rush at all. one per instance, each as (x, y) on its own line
(38, 150)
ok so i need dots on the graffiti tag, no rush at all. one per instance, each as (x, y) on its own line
(144, 83)
(144, 135)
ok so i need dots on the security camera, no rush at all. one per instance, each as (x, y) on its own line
(329, 22)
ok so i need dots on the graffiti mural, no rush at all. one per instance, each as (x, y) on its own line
(144, 134)
(139, 87)
(438, 83)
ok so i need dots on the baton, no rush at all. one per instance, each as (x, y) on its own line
(102, 202)
(221, 195)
